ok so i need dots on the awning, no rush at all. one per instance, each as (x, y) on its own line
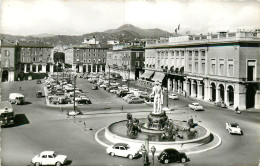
(195, 78)
(158, 76)
(147, 74)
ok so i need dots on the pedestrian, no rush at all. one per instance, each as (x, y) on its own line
(122, 108)
(236, 110)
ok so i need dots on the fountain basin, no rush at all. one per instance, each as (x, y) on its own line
(117, 133)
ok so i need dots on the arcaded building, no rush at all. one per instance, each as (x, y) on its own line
(24, 57)
(219, 67)
(87, 57)
(126, 60)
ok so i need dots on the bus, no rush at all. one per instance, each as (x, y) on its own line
(6, 114)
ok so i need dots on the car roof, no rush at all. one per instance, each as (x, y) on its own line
(120, 144)
(47, 152)
(234, 124)
(170, 150)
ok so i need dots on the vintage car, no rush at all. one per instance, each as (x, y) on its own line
(195, 106)
(233, 128)
(220, 104)
(173, 97)
(135, 100)
(95, 87)
(123, 150)
(172, 155)
(39, 94)
(49, 158)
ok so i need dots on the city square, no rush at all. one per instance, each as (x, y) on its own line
(79, 95)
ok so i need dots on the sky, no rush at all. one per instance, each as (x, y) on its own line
(77, 17)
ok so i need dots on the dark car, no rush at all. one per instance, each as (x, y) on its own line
(122, 93)
(95, 87)
(39, 94)
(172, 155)
(39, 81)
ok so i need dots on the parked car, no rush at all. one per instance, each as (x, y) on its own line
(122, 93)
(172, 155)
(149, 99)
(39, 94)
(54, 100)
(135, 100)
(95, 87)
(220, 104)
(143, 95)
(49, 158)
(173, 97)
(39, 81)
(122, 149)
(195, 106)
(233, 128)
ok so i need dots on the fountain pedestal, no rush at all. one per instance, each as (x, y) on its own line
(156, 122)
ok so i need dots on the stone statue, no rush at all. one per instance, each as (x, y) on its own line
(158, 98)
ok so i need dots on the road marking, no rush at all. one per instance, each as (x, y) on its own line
(97, 139)
(210, 148)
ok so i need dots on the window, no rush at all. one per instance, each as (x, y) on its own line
(221, 67)
(203, 67)
(34, 59)
(196, 67)
(35, 53)
(104, 60)
(251, 71)
(190, 55)
(190, 67)
(89, 61)
(196, 55)
(213, 66)
(77, 54)
(50, 156)
(94, 55)
(89, 55)
(44, 156)
(94, 60)
(230, 69)
(84, 60)
(137, 55)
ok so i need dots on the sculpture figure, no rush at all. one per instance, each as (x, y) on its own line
(158, 98)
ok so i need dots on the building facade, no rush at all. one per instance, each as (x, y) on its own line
(24, 57)
(87, 58)
(128, 61)
(35, 57)
(220, 67)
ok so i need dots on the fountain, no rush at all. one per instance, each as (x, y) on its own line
(158, 129)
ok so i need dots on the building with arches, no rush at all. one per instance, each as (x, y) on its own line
(215, 67)
(87, 58)
(126, 60)
(24, 57)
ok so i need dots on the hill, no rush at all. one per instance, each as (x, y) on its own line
(123, 33)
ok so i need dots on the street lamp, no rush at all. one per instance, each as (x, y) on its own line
(167, 76)
(57, 66)
(74, 92)
(153, 149)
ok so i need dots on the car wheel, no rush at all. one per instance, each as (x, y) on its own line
(166, 161)
(112, 154)
(58, 164)
(37, 164)
(130, 156)
(183, 160)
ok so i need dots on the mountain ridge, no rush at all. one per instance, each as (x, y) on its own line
(124, 33)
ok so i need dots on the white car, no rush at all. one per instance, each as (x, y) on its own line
(195, 106)
(233, 128)
(49, 158)
(173, 97)
(122, 149)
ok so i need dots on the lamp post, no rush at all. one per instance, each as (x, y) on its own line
(153, 149)
(128, 79)
(108, 76)
(57, 66)
(74, 92)
(167, 76)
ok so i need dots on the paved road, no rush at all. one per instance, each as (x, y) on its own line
(44, 128)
